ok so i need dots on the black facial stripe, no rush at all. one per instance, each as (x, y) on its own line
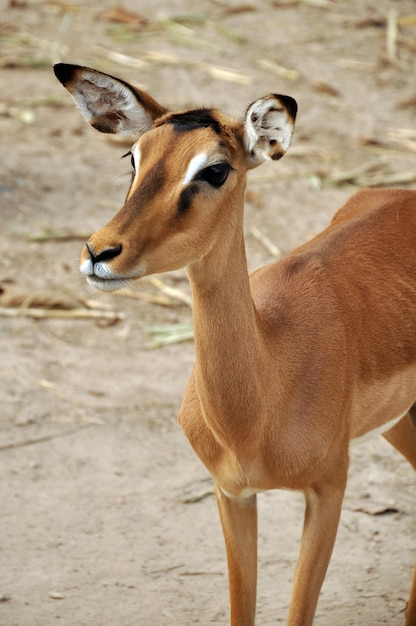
(186, 197)
(192, 120)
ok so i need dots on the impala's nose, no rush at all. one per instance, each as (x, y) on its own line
(106, 254)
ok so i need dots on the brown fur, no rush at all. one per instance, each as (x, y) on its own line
(292, 363)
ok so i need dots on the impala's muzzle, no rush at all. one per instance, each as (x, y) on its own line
(96, 267)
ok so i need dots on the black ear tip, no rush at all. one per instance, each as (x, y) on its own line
(290, 104)
(64, 71)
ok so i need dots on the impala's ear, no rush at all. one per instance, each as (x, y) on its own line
(268, 128)
(107, 103)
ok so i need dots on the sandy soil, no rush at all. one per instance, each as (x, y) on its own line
(106, 516)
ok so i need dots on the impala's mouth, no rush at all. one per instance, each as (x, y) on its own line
(100, 276)
(107, 284)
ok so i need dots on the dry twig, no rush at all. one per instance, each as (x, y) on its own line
(279, 70)
(171, 333)
(265, 241)
(45, 438)
(172, 292)
(392, 35)
(353, 175)
(144, 296)
(74, 314)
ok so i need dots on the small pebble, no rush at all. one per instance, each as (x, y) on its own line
(4, 598)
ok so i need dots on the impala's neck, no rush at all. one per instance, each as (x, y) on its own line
(227, 338)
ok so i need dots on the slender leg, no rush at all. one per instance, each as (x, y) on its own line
(411, 605)
(322, 513)
(239, 524)
(403, 438)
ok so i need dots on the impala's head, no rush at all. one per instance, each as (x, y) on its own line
(188, 179)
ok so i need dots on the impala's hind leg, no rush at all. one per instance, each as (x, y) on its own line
(403, 438)
(411, 605)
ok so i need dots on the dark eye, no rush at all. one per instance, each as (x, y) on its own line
(215, 175)
(130, 154)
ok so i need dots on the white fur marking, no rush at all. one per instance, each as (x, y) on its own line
(247, 492)
(137, 155)
(86, 267)
(378, 431)
(195, 165)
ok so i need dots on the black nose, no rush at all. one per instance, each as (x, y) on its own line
(103, 255)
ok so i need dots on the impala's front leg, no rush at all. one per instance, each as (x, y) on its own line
(322, 513)
(239, 524)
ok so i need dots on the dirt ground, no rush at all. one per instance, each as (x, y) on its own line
(107, 517)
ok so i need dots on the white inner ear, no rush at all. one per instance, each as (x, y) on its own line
(96, 94)
(267, 124)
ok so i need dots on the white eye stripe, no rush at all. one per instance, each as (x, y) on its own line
(137, 155)
(195, 165)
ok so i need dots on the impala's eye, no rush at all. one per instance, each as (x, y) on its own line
(130, 154)
(215, 175)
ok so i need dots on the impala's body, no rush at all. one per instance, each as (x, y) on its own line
(293, 363)
(360, 378)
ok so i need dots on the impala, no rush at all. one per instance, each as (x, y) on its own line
(293, 362)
